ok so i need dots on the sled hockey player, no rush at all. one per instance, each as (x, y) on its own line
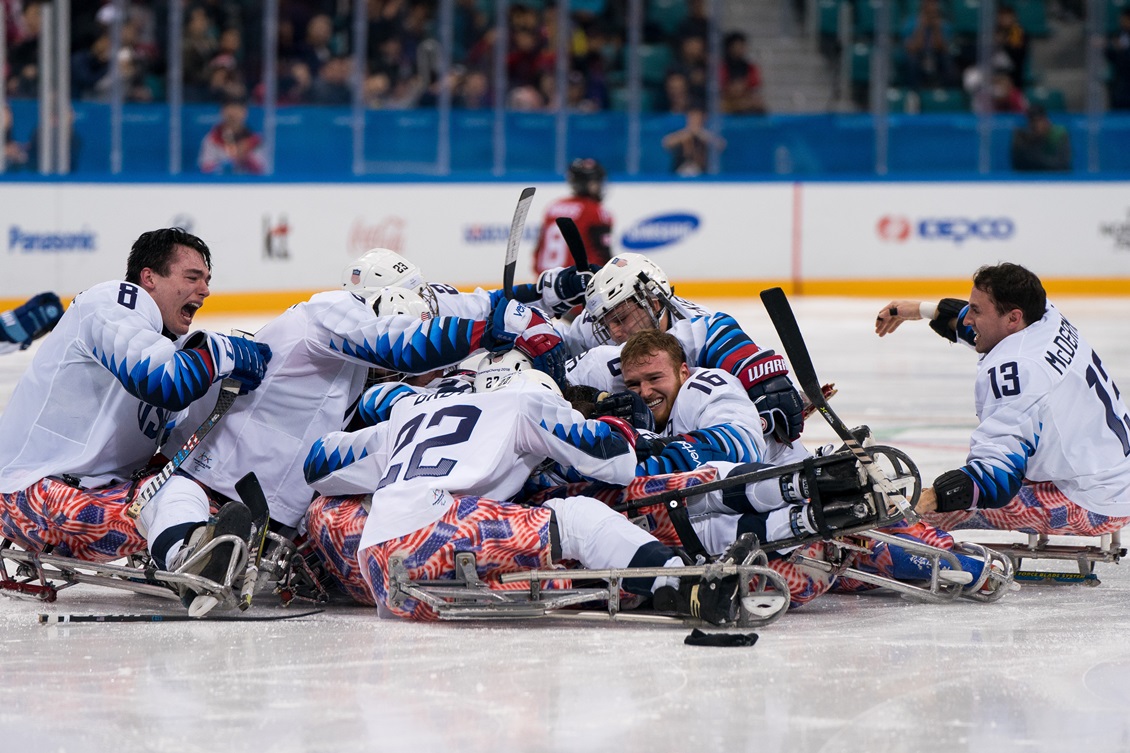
(631, 293)
(100, 394)
(322, 350)
(21, 326)
(1051, 454)
(440, 472)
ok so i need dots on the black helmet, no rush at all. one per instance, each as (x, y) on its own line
(586, 178)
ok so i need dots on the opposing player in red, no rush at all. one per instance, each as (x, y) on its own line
(586, 178)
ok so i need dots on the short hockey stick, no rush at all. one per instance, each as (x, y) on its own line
(251, 493)
(229, 390)
(517, 225)
(781, 313)
(575, 243)
(70, 619)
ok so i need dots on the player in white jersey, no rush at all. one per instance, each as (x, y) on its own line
(631, 293)
(323, 349)
(100, 394)
(440, 472)
(29, 321)
(1052, 451)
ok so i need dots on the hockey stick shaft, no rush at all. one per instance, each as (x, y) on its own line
(781, 314)
(574, 241)
(693, 491)
(229, 390)
(251, 494)
(517, 225)
(69, 619)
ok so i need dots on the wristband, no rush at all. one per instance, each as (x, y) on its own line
(928, 310)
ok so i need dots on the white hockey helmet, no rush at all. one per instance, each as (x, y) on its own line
(512, 378)
(380, 268)
(396, 300)
(494, 368)
(627, 277)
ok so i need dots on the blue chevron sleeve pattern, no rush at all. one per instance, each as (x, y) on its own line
(328, 455)
(376, 404)
(408, 345)
(722, 442)
(727, 345)
(165, 384)
(594, 438)
(999, 480)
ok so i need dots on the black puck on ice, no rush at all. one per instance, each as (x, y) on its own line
(699, 638)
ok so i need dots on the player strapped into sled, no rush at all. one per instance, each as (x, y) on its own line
(760, 595)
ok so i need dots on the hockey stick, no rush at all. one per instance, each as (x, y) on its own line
(251, 493)
(515, 239)
(575, 243)
(70, 619)
(781, 313)
(229, 390)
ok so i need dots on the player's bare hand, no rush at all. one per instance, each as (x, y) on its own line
(894, 314)
(927, 502)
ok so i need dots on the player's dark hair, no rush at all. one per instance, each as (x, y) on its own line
(155, 249)
(586, 178)
(642, 345)
(583, 398)
(1011, 286)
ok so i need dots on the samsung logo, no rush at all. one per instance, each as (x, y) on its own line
(21, 240)
(659, 231)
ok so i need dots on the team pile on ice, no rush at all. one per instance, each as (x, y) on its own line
(440, 454)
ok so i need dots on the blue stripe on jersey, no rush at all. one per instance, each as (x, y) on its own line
(724, 336)
(721, 442)
(169, 386)
(603, 442)
(376, 404)
(440, 343)
(999, 485)
(320, 464)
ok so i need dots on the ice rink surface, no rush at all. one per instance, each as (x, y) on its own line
(1045, 669)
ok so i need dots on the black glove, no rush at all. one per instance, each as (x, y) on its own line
(571, 283)
(628, 406)
(780, 406)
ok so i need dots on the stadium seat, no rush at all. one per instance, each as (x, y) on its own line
(860, 63)
(942, 101)
(1033, 17)
(828, 13)
(1052, 100)
(618, 100)
(655, 60)
(965, 15)
(1113, 9)
(901, 101)
(595, 7)
(666, 14)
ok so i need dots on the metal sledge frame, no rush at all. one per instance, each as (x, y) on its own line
(1105, 547)
(467, 597)
(43, 575)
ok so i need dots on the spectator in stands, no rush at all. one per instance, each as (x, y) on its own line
(676, 93)
(926, 41)
(399, 70)
(331, 85)
(1041, 145)
(200, 46)
(691, 63)
(741, 79)
(696, 23)
(316, 51)
(1118, 55)
(231, 147)
(23, 54)
(1006, 96)
(473, 92)
(1011, 45)
(225, 73)
(690, 145)
(471, 23)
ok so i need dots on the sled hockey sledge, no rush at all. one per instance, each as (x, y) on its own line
(1084, 551)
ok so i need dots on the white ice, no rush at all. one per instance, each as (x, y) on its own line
(1046, 669)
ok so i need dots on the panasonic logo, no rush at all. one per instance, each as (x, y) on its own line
(20, 240)
(654, 232)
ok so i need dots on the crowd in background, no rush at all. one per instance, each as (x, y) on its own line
(223, 55)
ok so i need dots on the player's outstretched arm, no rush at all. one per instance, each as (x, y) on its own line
(897, 312)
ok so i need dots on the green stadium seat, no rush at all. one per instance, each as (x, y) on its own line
(619, 99)
(860, 62)
(965, 15)
(595, 7)
(655, 60)
(666, 14)
(898, 101)
(1052, 100)
(1033, 17)
(828, 15)
(942, 100)
(1114, 8)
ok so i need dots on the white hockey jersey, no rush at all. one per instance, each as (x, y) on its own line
(321, 352)
(1050, 411)
(99, 394)
(436, 445)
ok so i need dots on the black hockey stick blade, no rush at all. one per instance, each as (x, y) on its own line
(251, 493)
(517, 225)
(574, 241)
(70, 619)
(784, 321)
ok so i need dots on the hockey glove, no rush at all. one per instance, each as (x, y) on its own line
(628, 406)
(679, 455)
(623, 428)
(241, 359)
(32, 320)
(767, 384)
(570, 284)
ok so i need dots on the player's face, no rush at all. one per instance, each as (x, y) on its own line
(989, 326)
(626, 319)
(657, 380)
(182, 291)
